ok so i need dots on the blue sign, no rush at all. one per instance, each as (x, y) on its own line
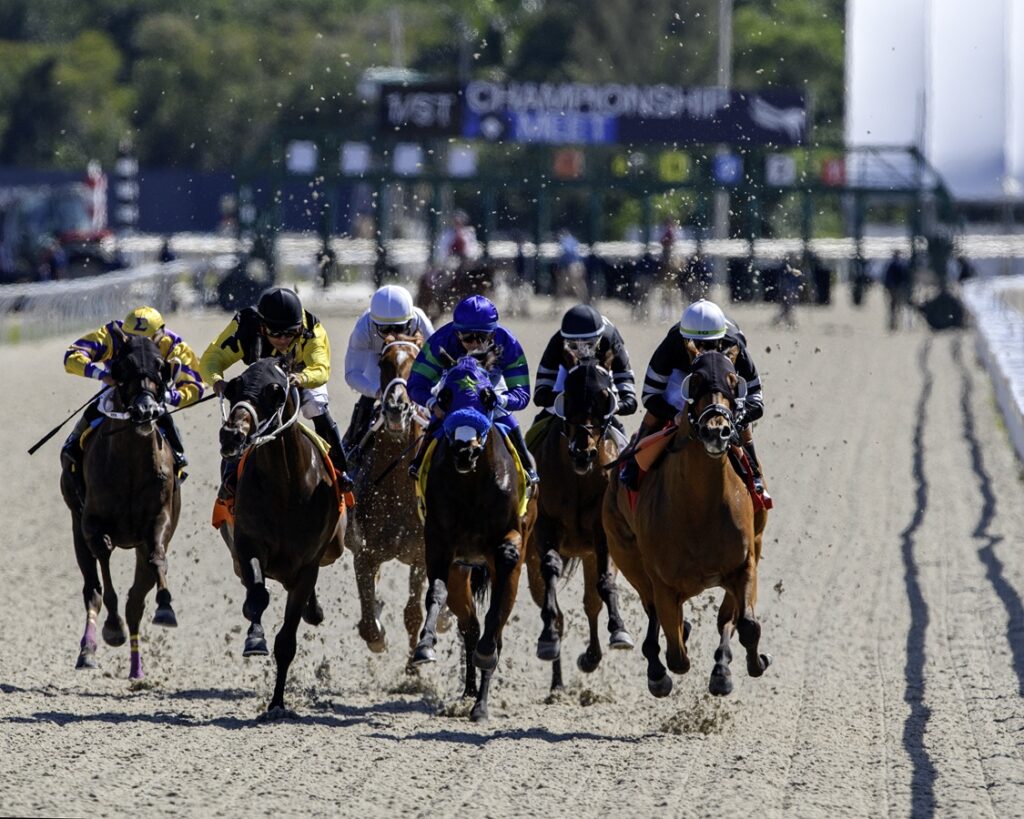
(728, 169)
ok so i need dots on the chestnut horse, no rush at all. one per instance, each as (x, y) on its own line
(473, 520)
(570, 458)
(694, 527)
(287, 517)
(131, 500)
(385, 524)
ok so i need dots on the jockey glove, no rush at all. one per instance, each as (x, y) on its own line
(490, 399)
(626, 405)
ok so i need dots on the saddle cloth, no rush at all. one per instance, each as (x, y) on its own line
(424, 474)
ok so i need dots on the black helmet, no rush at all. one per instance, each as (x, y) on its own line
(280, 309)
(582, 321)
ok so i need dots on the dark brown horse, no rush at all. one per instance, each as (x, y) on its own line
(131, 500)
(570, 456)
(473, 519)
(694, 527)
(441, 289)
(385, 524)
(288, 520)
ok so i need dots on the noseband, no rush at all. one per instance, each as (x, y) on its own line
(266, 430)
(409, 410)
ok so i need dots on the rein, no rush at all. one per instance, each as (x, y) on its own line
(275, 423)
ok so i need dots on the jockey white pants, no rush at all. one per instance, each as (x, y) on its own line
(314, 401)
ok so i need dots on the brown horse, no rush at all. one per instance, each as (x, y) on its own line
(385, 523)
(441, 289)
(694, 527)
(570, 458)
(473, 520)
(131, 500)
(288, 520)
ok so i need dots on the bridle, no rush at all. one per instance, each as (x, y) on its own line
(600, 428)
(714, 410)
(410, 411)
(269, 428)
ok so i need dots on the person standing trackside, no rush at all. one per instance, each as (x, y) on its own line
(899, 284)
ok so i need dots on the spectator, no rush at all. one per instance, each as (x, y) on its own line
(899, 284)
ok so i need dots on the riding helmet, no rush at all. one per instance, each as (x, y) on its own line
(280, 309)
(391, 304)
(582, 321)
(143, 321)
(475, 313)
(702, 320)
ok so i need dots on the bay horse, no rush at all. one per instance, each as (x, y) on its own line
(288, 521)
(439, 290)
(571, 456)
(131, 500)
(694, 527)
(474, 521)
(385, 524)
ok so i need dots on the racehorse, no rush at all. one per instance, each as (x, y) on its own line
(289, 518)
(131, 500)
(441, 289)
(694, 527)
(570, 458)
(385, 523)
(474, 517)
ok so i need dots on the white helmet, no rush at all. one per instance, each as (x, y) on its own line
(391, 306)
(702, 321)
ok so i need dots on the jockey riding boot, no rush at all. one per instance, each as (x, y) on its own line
(362, 417)
(421, 450)
(170, 432)
(71, 452)
(755, 465)
(515, 435)
(228, 478)
(328, 430)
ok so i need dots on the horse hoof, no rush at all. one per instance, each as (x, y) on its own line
(479, 713)
(586, 663)
(276, 714)
(687, 627)
(755, 668)
(313, 613)
(165, 617)
(549, 650)
(621, 640)
(87, 659)
(116, 634)
(660, 688)
(485, 662)
(423, 655)
(721, 683)
(375, 637)
(255, 647)
(378, 646)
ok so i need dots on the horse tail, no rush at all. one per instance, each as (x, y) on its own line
(569, 568)
(480, 582)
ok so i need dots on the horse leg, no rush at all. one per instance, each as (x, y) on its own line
(437, 595)
(145, 579)
(370, 627)
(114, 633)
(589, 660)
(313, 612)
(413, 613)
(549, 644)
(670, 612)
(747, 625)
(284, 642)
(721, 676)
(164, 615)
(619, 638)
(460, 601)
(659, 682)
(92, 594)
(257, 598)
(507, 566)
(535, 581)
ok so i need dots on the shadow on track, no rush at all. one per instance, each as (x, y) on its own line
(923, 779)
(481, 739)
(994, 569)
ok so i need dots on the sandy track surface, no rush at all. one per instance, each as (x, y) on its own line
(891, 599)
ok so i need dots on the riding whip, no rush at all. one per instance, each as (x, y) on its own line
(56, 429)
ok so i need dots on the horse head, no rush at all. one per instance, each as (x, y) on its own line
(713, 392)
(467, 420)
(396, 360)
(254, 398)
(586, 406)
(141, 373)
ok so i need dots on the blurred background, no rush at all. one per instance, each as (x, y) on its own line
(637, 150)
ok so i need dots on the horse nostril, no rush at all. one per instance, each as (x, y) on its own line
(725, 433)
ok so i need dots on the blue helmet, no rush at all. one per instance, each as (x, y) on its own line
(475, 313)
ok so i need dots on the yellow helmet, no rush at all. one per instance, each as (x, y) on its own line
(144, 321)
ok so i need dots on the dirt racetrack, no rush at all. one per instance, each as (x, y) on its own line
(890, 596)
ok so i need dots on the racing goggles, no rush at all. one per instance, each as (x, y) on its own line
(385, 330)
(474, 337)
(291, 332)
(582, 349)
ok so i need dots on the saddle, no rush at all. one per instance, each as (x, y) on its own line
(224, 508)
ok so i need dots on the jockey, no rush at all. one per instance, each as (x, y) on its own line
(705, 326)
(278, 326)
(475, 331)
(585, 334)
(391, 312)
(86, 357)
(457, 242)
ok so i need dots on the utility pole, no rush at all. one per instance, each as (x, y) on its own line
(721, 228)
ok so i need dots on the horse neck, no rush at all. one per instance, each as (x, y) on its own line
(698, 471)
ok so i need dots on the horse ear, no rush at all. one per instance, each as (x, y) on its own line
(444, 398)
(446, 357)
(691, 384)
(732, 353)
(691, 349)
(119, 332)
